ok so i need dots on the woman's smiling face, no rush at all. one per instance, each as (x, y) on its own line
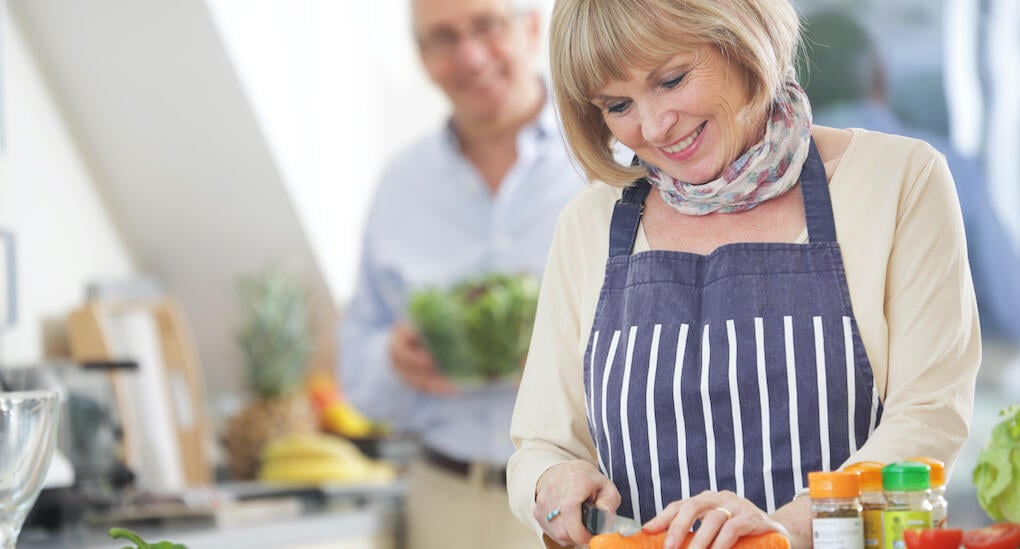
(690, 116)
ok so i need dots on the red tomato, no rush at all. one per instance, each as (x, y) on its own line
(932, 538)
(1001, 535)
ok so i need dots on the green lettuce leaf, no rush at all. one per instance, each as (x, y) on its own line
(997, 474)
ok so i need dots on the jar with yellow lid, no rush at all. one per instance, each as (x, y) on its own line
(872, 500)
(939, 505)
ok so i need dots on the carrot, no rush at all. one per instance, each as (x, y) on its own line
(640, 540)
(643, 540)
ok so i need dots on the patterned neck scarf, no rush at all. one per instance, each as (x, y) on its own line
(767, 170)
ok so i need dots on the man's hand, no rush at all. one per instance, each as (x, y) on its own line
(414, 364)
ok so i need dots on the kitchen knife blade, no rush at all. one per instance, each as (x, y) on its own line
(598, 521)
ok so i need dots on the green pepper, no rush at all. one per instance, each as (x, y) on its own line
(124, 533)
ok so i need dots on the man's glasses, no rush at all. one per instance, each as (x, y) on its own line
(442, 41)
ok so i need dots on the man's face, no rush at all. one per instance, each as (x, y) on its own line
(477, 51)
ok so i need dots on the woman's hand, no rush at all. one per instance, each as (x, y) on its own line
(558, 497)
(796, 517)
(725, 517)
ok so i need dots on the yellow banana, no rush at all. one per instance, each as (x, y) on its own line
(318, 459)
(343, 419)
(312, 446)
(310, 471)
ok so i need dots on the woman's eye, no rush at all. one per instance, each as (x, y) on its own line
(672, 82)
(616, 108)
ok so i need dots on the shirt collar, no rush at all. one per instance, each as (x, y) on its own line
(544, 126)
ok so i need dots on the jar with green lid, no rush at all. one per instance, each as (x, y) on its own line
(939, 505)
(908, 504)
(835, 510)
(872, 500)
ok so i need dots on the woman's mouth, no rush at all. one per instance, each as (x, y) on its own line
(688, 142)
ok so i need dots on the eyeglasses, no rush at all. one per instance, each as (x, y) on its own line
(442, 41)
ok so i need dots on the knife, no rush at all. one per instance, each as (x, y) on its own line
(598, 521)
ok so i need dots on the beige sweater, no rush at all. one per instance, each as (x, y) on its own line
(899, 225)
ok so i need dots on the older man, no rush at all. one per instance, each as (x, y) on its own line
(480, 195)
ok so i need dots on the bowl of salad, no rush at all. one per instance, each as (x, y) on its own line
(478, 330)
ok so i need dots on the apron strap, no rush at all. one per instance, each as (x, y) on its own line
(817, 203)
(627, 218)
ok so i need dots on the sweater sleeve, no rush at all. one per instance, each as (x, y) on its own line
(549, 424)
(934, 342)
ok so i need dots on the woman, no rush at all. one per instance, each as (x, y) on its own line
(767, 298)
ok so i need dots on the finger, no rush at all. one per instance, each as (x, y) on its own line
(552, 526)
(745, 525)
(731, 531)
(439, 385)
(608, 497)
(573, 528)
(415, 359)
(684, 514)
(712, 521)
(662, 521)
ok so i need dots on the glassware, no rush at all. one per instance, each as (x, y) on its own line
(28, 429)
(872, 500)
(908, 500)
(836, 521)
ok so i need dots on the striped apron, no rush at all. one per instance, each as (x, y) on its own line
(739, 370)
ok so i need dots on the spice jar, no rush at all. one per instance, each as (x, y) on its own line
(872, 500)
(836, 521)
(939, 505)
(907, 501)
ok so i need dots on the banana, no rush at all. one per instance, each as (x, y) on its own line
(312, 446)
(343, 419)
(311, 471)
(319, 459)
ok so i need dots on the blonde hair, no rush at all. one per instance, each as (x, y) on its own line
(595, 41)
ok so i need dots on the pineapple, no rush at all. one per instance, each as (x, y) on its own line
(276, 341)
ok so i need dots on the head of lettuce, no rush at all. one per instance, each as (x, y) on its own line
(997, 475)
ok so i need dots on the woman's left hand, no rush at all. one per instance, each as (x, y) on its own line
(725, 518)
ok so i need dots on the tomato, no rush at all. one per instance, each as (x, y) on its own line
(1001, 535)
(932, 538)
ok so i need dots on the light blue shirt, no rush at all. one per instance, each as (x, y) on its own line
(433, 221)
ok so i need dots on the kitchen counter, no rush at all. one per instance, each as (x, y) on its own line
(257, 516)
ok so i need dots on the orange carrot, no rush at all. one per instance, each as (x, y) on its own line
(642, 540)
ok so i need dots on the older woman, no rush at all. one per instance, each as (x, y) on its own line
(752, 299)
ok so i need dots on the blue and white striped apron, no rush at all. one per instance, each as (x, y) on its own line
(739, 370)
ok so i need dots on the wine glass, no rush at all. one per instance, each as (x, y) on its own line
(28, 428)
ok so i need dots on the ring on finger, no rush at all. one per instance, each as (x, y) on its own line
(725, 511)
(552, 514)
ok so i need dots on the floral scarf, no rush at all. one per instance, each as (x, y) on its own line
(767, 170)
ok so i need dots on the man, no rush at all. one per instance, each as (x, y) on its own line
(481, 195)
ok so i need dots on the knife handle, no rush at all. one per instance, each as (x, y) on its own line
(593, 521)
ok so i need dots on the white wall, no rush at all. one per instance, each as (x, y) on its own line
(187, 173)
(337, 92)
(49, 200)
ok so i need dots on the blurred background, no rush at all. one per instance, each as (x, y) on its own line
(157, 152)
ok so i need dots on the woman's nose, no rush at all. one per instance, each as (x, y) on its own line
(656, 123)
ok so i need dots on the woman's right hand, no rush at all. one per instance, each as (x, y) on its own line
(559, 494)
